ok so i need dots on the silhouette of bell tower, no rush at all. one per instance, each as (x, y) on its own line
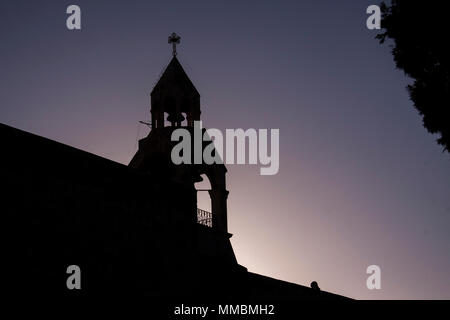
(174, 94)
(175, 103)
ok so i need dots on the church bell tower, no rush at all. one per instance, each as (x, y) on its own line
(175, 103)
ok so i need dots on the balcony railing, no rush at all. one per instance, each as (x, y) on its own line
(204, 218)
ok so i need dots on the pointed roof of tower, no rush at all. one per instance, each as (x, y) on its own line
(174, 77)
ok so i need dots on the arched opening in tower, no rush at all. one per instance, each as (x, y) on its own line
(184, 123)
(167, 123)
(203, 197)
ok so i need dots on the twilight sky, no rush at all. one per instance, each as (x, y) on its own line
(361, 182)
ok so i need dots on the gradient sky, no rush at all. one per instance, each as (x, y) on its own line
(361, 182)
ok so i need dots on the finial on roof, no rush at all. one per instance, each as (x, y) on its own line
(174, 39)
(315, 286)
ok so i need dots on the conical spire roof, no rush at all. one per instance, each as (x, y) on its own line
(174, 78)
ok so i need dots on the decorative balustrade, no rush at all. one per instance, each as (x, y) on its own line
(205, 218)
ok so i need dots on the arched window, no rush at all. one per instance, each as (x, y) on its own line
(203, 198)
(166, 122)
(184, 123)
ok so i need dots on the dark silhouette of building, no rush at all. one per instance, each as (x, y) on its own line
(132, 229)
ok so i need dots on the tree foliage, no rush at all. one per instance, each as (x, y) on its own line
(419, 30)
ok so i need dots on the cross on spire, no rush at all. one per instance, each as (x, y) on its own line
(174, 39)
